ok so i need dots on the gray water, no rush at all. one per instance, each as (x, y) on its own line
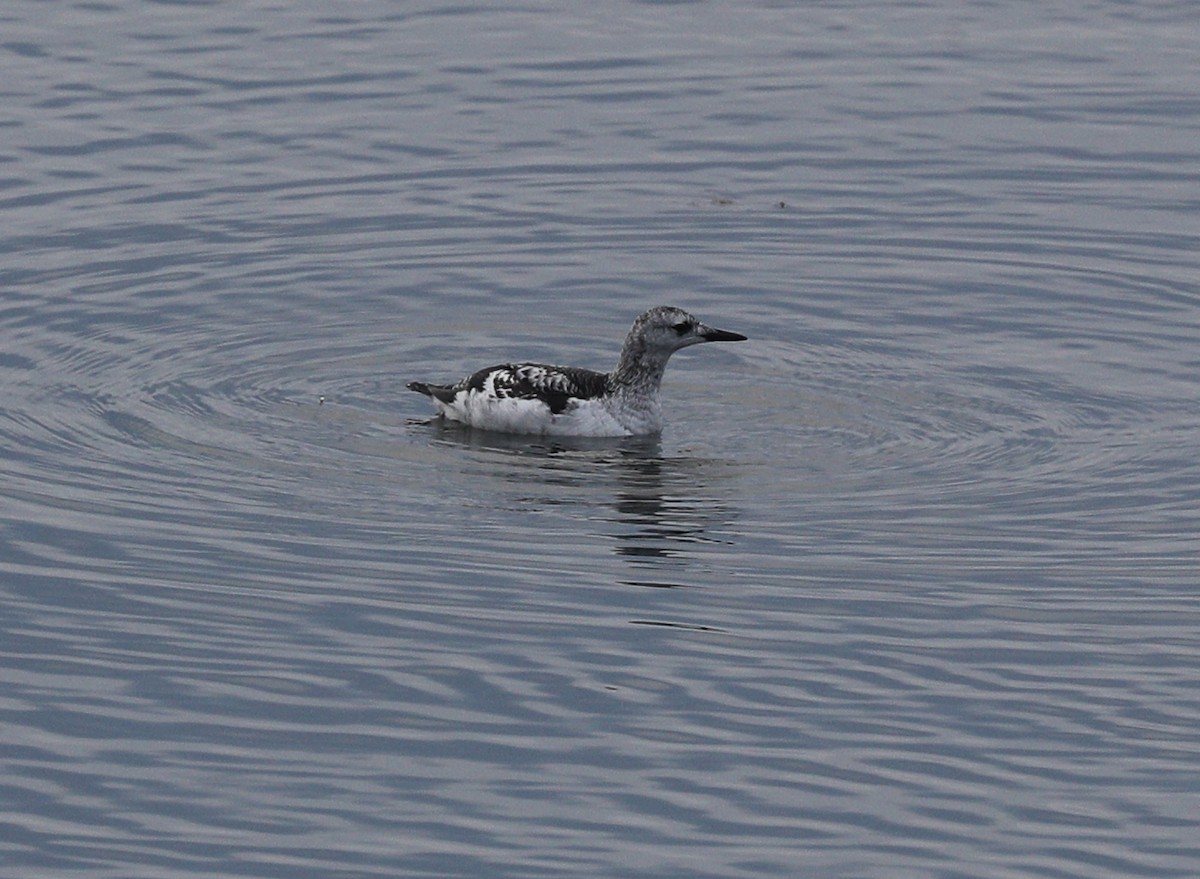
(906, 588)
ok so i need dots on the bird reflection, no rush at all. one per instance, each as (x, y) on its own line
(661, 508)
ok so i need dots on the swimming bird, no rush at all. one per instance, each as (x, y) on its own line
(536, 398)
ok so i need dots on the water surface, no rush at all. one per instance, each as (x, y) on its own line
(905, 588)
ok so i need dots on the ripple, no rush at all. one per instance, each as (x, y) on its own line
(906, 585)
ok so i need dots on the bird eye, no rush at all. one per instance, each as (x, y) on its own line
(682, 327)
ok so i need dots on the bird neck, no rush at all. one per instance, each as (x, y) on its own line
(639, 369)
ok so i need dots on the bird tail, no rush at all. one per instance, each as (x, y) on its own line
(420, 388)
(444, 393)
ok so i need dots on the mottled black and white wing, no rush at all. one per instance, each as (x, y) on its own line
(555, 386)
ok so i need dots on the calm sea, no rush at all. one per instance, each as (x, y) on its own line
(906, 588)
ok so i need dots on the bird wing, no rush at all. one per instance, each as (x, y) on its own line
(555, 386)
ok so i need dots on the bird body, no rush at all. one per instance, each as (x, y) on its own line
(535, 398)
